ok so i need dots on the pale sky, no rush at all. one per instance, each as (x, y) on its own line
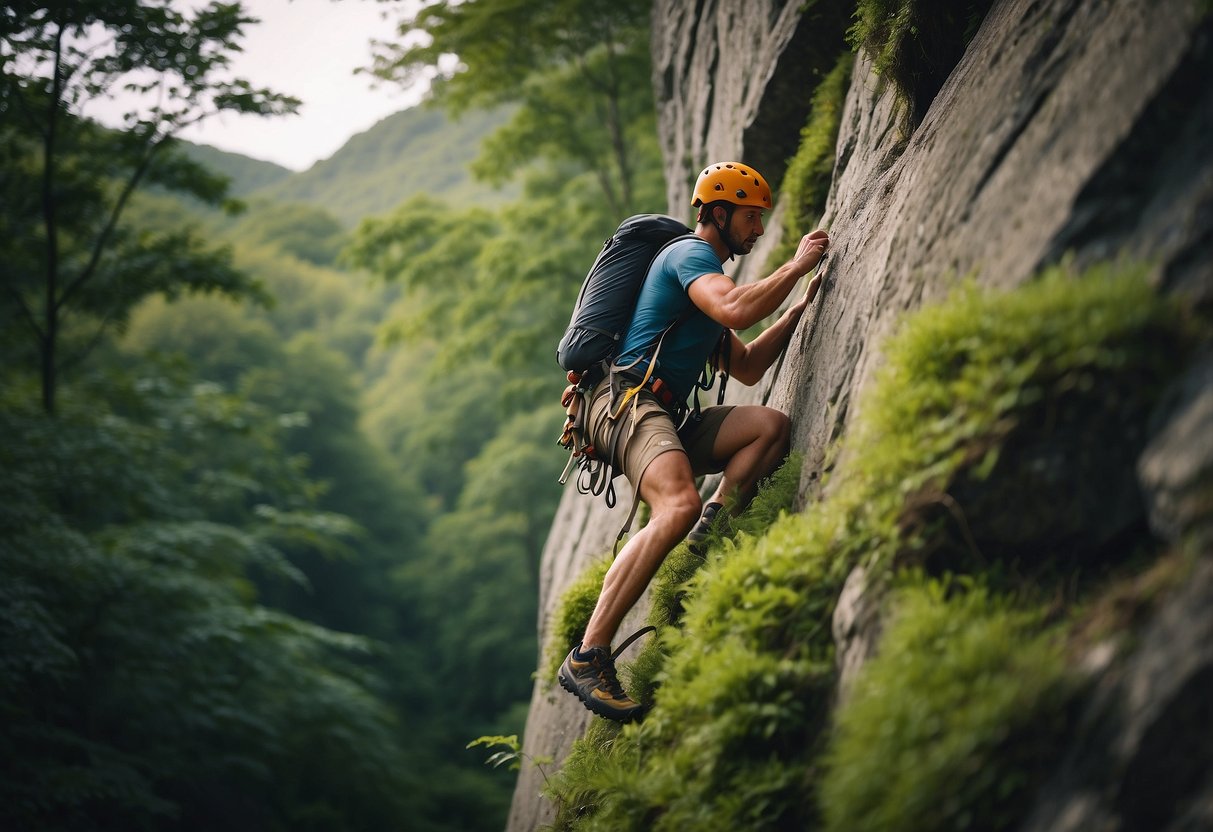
(309, 49)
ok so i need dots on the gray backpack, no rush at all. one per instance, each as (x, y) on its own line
(608, 294)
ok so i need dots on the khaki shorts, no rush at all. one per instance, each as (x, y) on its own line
(653, 433)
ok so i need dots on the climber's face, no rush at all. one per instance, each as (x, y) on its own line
(745, 229)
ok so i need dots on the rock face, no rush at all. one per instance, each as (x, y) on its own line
(736, 76)
(1069, 128)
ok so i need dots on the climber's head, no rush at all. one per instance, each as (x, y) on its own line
(720, 191)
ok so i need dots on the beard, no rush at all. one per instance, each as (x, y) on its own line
(739, 245)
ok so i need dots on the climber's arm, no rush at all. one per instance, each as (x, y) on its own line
(748, 362)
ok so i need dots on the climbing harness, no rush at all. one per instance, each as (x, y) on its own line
(598, 470)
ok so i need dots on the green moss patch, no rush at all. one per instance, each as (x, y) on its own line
(1000, 418)
(915, 44)
(572, 615)
(944, 727)
(806, 183)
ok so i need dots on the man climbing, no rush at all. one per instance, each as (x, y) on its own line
(640, 409)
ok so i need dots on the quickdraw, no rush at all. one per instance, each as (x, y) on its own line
(595, 475)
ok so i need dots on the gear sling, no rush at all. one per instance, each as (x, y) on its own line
(590, 342)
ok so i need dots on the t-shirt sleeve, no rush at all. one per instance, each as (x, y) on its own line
(692, 261)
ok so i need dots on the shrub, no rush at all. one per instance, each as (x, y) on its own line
(943, 727)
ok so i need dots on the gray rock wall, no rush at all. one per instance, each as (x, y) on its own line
(1069, 126)
(733, 77)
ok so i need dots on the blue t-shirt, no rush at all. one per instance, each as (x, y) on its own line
(663, 298)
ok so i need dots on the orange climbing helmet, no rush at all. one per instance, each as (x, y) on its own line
(731, 182)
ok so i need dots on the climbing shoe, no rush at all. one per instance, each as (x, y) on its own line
(698, 538)
(592, 679)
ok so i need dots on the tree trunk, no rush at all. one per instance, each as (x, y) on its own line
(50, 331)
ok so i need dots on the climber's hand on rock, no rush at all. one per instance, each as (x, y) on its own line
(812, 247)
(810, 292)
(814, 285)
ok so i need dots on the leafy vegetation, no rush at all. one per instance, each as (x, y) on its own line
(810, 172)
(738, 735)
(578, 72)
(69, 181)
(130, 616)
(981, 687)
(915, 44)
(273, 525)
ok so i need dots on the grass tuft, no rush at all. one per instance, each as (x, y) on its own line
(915, 44)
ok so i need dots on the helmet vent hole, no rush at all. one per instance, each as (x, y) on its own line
(740, 193)
(719, 187)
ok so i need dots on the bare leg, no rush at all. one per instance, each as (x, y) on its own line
(669, 489)
(754, 440)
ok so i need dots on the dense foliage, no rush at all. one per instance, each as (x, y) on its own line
(73, 269)
(143, 684)
(265, 562)
(578, 71)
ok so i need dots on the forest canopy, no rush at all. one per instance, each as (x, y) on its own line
(264, 561)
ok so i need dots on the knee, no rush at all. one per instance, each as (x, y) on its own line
(683, 509)
(778, 430)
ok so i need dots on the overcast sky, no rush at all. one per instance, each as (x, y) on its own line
(309, 49)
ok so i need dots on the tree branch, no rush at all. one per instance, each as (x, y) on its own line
(26, 312)
(48, 335)
(103, 238)
(83, 353)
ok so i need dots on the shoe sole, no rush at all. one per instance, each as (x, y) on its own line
(601, 710)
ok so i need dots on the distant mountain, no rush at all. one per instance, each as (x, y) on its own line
(419, 150)
(247, 174)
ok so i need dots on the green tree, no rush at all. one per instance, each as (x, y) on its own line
(305, 231)
(493, 288)
(579, 69)
(143, 686)
(251, 351)
(432, 423)
(482, 559)
(73, 269)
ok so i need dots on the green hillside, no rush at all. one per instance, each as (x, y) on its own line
(247, 174)
(414, 151)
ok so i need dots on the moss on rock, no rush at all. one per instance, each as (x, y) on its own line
(810, 172)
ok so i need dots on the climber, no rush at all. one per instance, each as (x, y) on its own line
(687, 313)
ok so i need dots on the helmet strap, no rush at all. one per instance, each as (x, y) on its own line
(734, 249)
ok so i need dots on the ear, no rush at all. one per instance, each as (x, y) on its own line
(721, 219)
